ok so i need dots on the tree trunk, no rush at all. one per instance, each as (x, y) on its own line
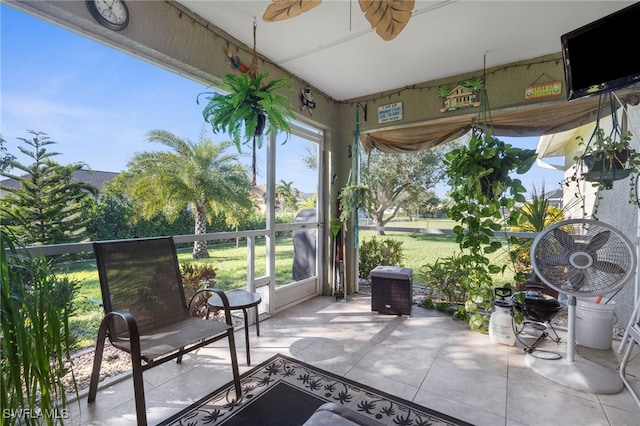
(378, 218)
(378, 222)
(200, 247)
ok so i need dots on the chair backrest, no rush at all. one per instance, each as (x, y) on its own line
(141, 277)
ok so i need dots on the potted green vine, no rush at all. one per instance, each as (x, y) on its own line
(251, 105)
(482, 190)
(351, 198)
(490, 161)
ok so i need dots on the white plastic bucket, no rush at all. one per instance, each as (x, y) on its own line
(594, 323)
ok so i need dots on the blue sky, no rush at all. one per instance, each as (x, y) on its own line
(98, 104)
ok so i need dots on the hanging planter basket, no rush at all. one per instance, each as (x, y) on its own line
(607, 157)
(262, 121)
(352, 198)
(494, 180)
(608, 161)
(606, 167)
(251, 107)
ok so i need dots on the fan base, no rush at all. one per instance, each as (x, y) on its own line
(581, 374)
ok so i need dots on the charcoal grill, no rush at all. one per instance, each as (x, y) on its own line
(538, 309)
(536, 305)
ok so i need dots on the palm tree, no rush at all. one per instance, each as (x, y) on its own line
(443, 92)
(534, 216)
(199, 176)
(287, 195)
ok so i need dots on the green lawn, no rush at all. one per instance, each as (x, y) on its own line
(420, 249)
(404, 222)
(230, 263)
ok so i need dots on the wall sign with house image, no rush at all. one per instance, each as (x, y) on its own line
(466, 94)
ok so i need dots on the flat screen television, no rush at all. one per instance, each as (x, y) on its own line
(604, 55)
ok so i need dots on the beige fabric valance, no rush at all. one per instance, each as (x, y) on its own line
(535, 120)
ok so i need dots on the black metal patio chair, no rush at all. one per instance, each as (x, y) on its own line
(146, 313)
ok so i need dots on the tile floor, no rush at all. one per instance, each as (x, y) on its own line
(427, 358)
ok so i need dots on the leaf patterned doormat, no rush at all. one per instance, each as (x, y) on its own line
(283, 391)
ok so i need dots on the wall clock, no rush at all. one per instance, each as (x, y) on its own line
(112, 14)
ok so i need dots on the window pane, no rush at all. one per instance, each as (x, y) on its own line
(296, 177)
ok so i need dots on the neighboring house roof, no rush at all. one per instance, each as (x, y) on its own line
(555, 197)
(556, 194)
(94, 177)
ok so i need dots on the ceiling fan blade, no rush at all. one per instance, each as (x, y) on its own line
(388, 17)
(279, 10)
(609, 267)
(564, 238)
(598, 241)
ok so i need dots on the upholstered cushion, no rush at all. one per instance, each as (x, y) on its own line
(331, 414)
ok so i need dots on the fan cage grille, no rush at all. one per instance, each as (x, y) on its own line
(583, 258)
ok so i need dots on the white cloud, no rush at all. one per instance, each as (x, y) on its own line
(28, 108)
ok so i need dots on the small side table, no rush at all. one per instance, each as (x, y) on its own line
(239, 299)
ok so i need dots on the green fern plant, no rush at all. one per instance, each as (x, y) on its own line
(251, 105)
(238, 113)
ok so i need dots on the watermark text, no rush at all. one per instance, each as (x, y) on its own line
(35, 413)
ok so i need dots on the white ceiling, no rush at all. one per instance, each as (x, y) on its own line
(333, 48)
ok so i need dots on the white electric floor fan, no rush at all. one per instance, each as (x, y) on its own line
(583, 258)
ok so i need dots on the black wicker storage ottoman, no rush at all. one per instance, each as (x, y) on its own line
(391, 290)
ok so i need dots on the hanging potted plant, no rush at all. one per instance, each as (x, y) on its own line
(490, 161)
(251, 105)
(607, 158)
(483, 190)
(353, 198)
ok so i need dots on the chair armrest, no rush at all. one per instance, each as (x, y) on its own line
(223, 297)
(132, 328)
(202, 290)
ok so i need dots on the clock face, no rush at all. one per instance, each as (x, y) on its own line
(112, 14)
